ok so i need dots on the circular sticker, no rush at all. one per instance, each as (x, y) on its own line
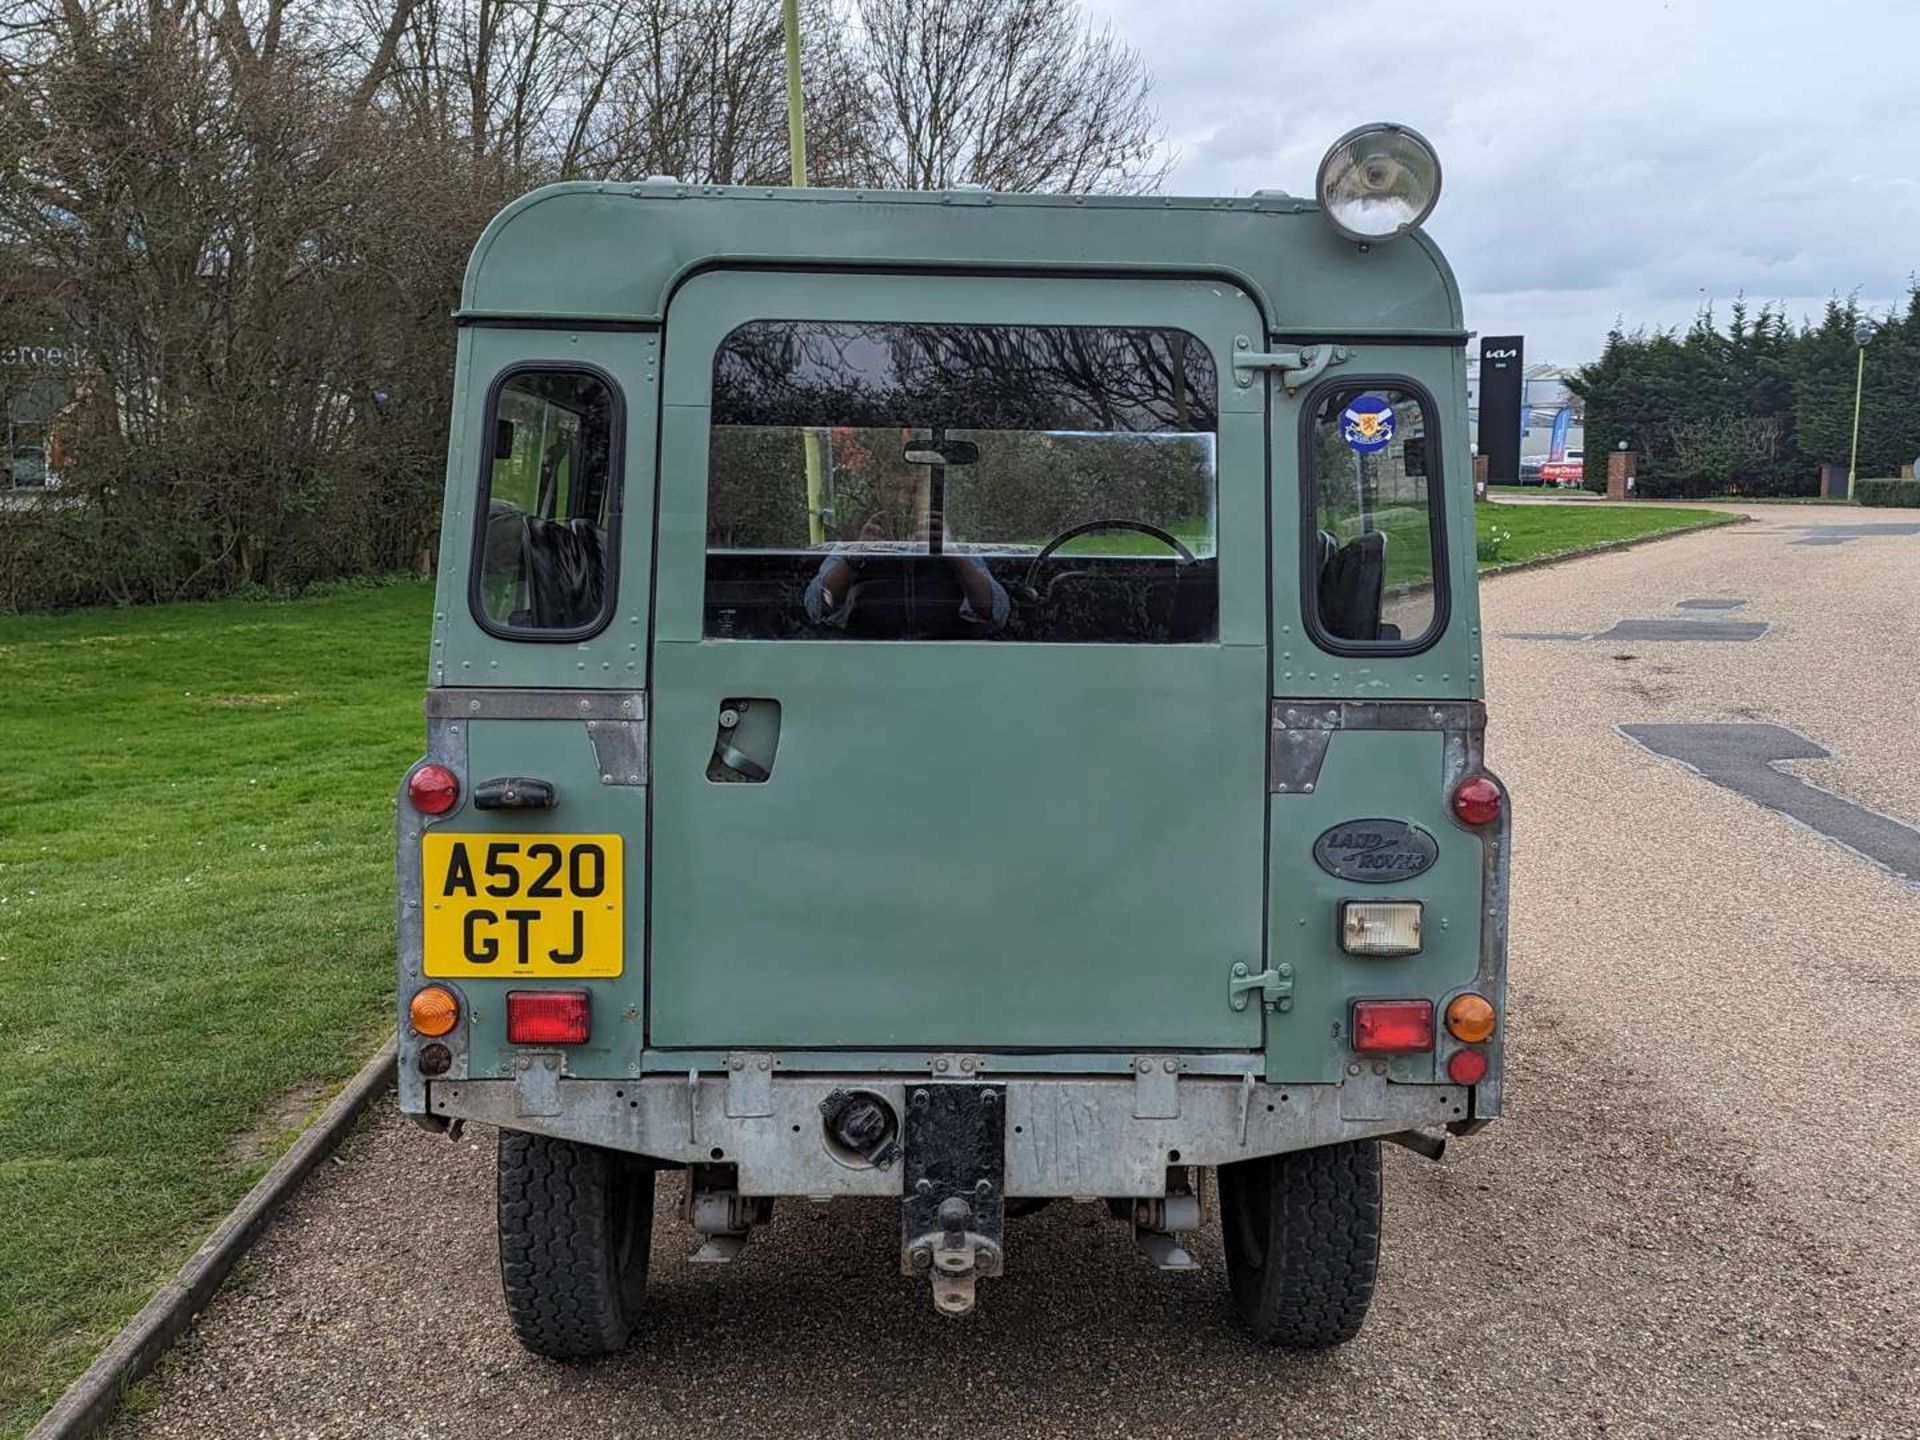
(1367, 425)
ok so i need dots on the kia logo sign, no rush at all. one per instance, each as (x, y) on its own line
(1503, 354)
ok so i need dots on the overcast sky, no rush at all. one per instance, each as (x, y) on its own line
(1602, 158)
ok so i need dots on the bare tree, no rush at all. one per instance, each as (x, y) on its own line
(257, 261)
(1011, 94)
(252, 216)
(703, 96)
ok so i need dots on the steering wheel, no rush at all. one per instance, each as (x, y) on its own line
(1182, 555)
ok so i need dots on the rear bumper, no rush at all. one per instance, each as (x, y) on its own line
(1088, 1136)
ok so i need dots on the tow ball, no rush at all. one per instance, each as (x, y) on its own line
(953, 1207)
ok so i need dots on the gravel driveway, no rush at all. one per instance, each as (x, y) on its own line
(1698, 1219)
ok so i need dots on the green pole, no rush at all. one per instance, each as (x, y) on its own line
(1853, 455)
(796, 103)
(797, 153)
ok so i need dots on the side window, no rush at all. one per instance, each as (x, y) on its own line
(548, 506)
(889, 481)
(1374, 568)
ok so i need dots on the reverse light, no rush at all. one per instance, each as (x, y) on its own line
(433, 789)
(1467, 1067)
(1380, 927)
(1392, 1027)
(1378, 181)
(1477, 800)
(433, 1010)
(1469, 1018)
(547, 1017)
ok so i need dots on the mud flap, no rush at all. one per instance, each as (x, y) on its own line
(953, 1209)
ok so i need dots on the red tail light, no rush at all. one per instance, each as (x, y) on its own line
(433, 789)
(1467, 1067)
(1392, 1027)
(1477, 801)
(547, 1017)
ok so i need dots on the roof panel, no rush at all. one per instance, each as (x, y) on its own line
(608, 252)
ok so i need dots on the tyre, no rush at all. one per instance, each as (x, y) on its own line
(576, 1224)
(1302, 1239)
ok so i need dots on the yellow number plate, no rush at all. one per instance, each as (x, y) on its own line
(510, 905)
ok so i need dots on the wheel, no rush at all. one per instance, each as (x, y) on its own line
(576, 1224)
(1302, 1237)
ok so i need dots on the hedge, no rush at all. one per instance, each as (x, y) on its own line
(1905, 493)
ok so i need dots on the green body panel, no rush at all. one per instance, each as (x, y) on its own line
(1378, 774)
(559, 751)
(963, 844)
(616, 658)
(1026, 846)
(966, 845)
(1451, 668)
(617, 252)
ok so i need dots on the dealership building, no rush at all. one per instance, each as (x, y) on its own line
(1544, 396)
(35, 379)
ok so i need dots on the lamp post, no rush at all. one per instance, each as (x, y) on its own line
(811, 438)
(1862, 333)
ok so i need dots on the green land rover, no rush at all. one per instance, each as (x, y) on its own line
(966, 698)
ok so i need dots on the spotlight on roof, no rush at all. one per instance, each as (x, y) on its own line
(1378, 181)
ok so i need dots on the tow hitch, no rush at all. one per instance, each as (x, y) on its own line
(953, 1209)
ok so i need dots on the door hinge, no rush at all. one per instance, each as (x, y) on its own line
(1297, 367)
(1275, 986)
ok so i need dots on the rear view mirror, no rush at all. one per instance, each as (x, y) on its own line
(941, 452)
(1414, 455)
(503, 439)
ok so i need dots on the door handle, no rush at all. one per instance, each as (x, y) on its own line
(745, 740)
(515, 792)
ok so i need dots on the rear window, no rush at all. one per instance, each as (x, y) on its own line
(548, 498)
(1374, 575)
(885, 481)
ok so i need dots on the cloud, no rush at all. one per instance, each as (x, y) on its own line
(1621, 159)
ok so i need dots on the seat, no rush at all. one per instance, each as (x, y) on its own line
(1353, 583)
(564, 565)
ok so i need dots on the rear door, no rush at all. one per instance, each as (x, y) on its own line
(960, 670)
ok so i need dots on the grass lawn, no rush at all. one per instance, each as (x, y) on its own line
(196, 922)
(1537, 531)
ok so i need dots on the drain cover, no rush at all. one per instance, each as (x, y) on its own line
(1743, 759)
(1645, 630)
(1841, 534)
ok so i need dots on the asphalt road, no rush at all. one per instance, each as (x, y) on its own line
(1699, 1218)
